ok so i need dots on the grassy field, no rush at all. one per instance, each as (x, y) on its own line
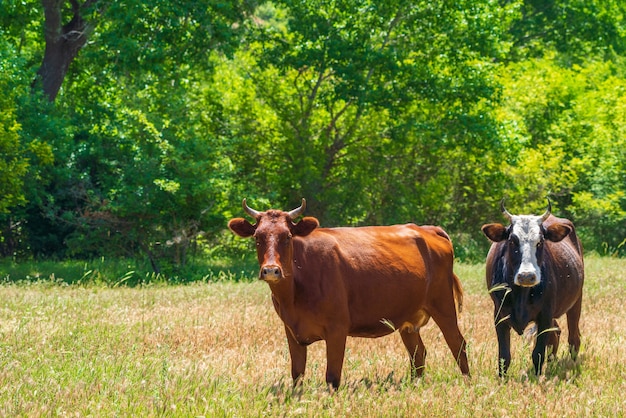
(218, 349)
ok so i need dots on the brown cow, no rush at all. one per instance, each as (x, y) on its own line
(328, 283)
(534, 273)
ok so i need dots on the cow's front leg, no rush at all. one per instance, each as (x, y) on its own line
(503, 331)
(297, 352)
(543, 335)
(335, 351)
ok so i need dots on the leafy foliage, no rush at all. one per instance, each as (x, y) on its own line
(573, 28)
(572, 126)
(377, 112)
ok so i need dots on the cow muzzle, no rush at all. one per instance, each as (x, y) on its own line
(270, 273)
(526, 279)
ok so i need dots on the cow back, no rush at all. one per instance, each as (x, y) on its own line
(370, 273)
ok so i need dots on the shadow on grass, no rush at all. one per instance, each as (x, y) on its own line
(562, 369)
(122, 272)
(565, 368)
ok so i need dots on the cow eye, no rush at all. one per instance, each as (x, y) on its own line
(514, 244)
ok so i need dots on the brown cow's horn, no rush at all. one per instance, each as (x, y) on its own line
(505, 212)
(547, 212)
(254, 213)
(298, 211)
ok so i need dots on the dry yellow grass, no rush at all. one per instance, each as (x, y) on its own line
(219, 350)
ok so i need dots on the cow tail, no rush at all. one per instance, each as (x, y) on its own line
(457, 290)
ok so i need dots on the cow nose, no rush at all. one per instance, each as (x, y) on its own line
(270, 272)
(527, 278)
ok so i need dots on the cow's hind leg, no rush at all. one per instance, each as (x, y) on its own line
(573, 318)
(552, 345)
(446, 319)
(417, 352)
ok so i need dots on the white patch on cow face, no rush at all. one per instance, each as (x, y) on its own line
(527, 229)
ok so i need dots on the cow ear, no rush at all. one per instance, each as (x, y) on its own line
(241, 227)
(495, 232)
(305, 226)
(556, 232)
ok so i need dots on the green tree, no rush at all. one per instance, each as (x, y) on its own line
(575, 29)
(570, 129)
(127, 158)
(150, 121)
(13, 166)
(20, 159)
(373, 101)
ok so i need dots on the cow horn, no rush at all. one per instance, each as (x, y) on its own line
(298, 211)
(254, 213)
(547, 212)
(505, 212)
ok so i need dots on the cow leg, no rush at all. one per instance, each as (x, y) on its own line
(543, 335)
(297, 352)
(417, 352)
(503, 332)
(573, 338)
(553, 341)
(449, 326)
(335, 352)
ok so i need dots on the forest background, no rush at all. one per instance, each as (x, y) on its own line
(132, 130)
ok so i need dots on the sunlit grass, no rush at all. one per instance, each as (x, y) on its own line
(218, 349)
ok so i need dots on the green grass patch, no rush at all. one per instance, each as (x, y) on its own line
(217, 348)
(123, 272)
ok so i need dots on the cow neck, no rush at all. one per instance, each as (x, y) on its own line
(283, 293)
(521, 314)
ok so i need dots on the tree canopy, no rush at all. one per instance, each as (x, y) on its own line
(135, 129)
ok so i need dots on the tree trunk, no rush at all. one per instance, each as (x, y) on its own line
(62, 43)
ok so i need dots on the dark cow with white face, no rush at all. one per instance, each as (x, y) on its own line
(534, 274)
